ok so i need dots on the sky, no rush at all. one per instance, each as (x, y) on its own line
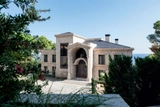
(131, 21)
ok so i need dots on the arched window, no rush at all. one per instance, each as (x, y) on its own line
(81, 53)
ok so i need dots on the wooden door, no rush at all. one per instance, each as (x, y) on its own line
(81, 70)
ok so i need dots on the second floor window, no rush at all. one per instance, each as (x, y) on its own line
(101, 59)
(63, 56)
(45, 58)
(53, 58)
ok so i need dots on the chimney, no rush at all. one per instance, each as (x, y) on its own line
(107, 37)
(116, 41)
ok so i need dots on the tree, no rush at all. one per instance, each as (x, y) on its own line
(155, 39)
(148, 81)
(121, 78)
(45, 43)
(16, 45)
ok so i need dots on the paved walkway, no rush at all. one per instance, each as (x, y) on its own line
(64, 86)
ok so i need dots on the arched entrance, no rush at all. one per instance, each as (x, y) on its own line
(81, 69)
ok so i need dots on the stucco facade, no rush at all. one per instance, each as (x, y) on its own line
(78, 57)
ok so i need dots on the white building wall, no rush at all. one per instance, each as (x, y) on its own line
(78, 39)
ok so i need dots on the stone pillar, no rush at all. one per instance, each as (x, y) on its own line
(69, 65)
(90, 65)
(57, 57)
(50, 62)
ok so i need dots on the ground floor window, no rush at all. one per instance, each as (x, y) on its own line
(54, 71)
(45, 68)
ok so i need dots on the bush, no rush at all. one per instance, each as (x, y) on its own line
(139, 85)
(16, 49)
(121, 78)
(16, 79)
(148, 81)
(94, 91)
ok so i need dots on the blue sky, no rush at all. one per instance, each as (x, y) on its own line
(128, 20)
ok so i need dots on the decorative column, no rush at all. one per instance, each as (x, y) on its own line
(90, 65)
(69, 65)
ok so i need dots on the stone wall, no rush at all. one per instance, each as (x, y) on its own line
(49, 64)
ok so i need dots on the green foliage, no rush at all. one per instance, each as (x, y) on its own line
(16, 48)
(94, 91)
(155, 38)
(45, 43)
(148, 81)
(121, 78)
(156, 26)
(138, 84)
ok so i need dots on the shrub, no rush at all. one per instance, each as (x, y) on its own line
(121, 78)
(148, 81)
(16, 49)
(94, 91)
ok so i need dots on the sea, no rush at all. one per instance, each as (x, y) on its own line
(138, 55)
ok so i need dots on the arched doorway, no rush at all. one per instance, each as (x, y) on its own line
(81, 69)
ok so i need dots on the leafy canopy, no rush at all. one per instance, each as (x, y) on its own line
(155, 38)
(16, 44)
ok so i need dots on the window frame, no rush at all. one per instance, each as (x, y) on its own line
(45, 58)
(64, 55)
(45, 68)
(54, 58)
(54, 71)
(101, 59)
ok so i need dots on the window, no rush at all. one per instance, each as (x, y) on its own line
(54, 71)
(45, 68)
(101, 73)
(53, 58)
(63, 48)
(101, 59)
(45, 58)
(63, 54)
(81, 53)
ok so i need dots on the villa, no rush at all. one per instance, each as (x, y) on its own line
(76, 57)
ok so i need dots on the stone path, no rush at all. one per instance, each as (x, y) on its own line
(64, 86)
